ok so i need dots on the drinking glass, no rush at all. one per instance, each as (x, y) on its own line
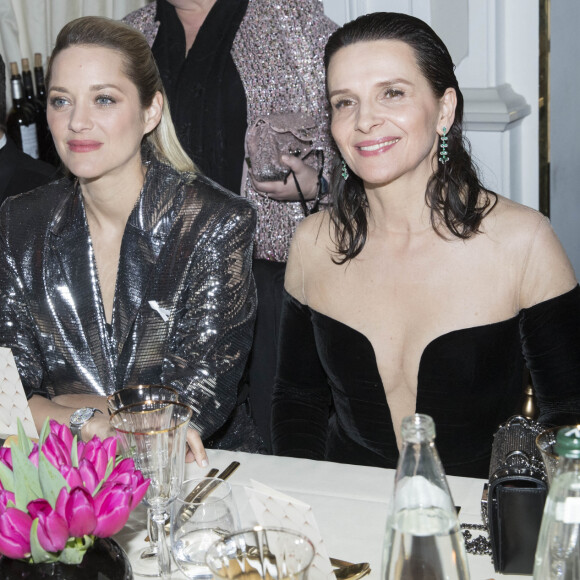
(153, 433)
(274, 553)
(145, 562)
(204, 513)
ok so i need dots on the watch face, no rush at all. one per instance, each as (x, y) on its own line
(81, 416)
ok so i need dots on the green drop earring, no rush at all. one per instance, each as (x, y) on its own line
(344, 172)
(443, 155)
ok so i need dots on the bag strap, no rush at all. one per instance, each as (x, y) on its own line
(319, 189)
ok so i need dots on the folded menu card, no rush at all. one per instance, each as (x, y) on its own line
(13, 401)
(275, 509)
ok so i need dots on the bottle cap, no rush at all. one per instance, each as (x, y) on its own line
(14, 69)
(568, 442)
(25, 65)
(37, 60)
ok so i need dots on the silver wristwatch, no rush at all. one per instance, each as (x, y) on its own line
(79, 418)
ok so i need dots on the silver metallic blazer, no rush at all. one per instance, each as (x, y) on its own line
(278, 51)
(184, 304)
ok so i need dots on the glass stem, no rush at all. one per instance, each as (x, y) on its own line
(151, 530)
(163, 555)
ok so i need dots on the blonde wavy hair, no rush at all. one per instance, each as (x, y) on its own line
(140, 68)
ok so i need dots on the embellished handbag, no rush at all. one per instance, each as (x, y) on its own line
(516, 495)
(272, 136)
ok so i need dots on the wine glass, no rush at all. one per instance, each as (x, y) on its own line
(145, 562)
(204, 513)
(153, 433)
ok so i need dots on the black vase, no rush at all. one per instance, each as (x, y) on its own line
(104, 560)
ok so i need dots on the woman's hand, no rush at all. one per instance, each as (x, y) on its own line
(195, 449)
(286, 190)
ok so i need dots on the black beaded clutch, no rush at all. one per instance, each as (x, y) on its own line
(516, 495)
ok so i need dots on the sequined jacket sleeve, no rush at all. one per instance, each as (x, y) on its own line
(214, 317)
(184, 304)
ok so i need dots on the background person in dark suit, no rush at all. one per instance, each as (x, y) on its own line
(18, 172)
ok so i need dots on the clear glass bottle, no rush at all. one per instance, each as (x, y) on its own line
(558, 548)
(423, 538)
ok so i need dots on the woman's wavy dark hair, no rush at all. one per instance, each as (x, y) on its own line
(454, 192)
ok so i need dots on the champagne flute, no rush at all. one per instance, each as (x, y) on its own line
(153, 433)
(145, 562)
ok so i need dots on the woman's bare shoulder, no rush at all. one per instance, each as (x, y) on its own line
(511, 216)
(315, 231)
(527, 235)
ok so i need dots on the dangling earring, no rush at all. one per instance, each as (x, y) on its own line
(344, 172)
(444, 158)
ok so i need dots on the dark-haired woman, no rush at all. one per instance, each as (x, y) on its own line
(420, 290)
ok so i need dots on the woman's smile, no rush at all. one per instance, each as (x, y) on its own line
(376, 146)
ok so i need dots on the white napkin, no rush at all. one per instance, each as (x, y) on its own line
(13, 401)
(275, 509)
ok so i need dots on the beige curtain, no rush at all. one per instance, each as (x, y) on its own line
(29, 26)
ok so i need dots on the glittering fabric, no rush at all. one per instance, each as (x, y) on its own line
(278, 51)
(184, 302)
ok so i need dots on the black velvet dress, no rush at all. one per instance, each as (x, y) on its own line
(329, 401)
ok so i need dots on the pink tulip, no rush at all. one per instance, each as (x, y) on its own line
(15, 533)
(89, 476)
(72, 475)
(96, 453)
(62, 431)
(110, 445)
(52, 531)
(126, 474)
(56, 452)
(77, 509)
(112, 506)
(125, 466)
(38, 506)
(139, 490)
(6, 456)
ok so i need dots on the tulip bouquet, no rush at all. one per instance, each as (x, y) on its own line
(57, 495)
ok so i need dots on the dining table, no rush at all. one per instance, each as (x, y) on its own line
(349, 503)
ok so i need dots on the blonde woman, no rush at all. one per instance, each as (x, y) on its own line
(135, 269)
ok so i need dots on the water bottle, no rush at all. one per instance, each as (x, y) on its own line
(558, 548)
(423, 539)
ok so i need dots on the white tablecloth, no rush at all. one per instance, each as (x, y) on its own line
(349, 503)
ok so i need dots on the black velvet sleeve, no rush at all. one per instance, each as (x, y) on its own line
(550, 334)
(301, 398)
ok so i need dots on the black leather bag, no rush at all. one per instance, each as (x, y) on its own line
(516, 495)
